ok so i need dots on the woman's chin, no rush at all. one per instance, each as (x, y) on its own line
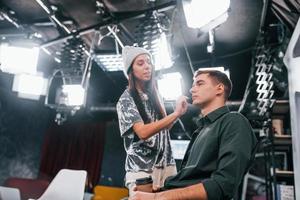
(147, 78)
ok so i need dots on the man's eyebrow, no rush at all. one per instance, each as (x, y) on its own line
(200, 81)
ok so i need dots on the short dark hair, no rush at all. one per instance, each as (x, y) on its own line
(218, 77)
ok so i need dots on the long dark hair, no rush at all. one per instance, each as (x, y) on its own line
(151, 91)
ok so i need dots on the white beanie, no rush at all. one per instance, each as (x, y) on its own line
(129, 53)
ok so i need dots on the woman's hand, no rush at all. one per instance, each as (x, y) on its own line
(181, 106)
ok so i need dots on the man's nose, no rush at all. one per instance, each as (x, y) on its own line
(191, 90)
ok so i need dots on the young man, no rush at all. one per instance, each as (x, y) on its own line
(220, 150)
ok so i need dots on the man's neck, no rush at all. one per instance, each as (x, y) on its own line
(206, 109)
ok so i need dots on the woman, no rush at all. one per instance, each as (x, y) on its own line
(143, 122)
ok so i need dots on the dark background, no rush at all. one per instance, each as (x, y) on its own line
(23, 123)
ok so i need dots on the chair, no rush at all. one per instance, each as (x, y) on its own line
(241, 193)
(66, 185)
(8, 193)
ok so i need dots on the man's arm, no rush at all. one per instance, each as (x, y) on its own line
(193, 192)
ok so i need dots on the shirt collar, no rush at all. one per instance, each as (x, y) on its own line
(214, 115)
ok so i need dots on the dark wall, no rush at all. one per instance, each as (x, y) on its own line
(113, 170)
(22, 127)
(23, 124)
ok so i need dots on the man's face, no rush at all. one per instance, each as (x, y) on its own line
(204, 90)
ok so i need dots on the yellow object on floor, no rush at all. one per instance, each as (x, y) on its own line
(109, 193)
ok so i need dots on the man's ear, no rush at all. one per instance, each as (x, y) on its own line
(220, 89)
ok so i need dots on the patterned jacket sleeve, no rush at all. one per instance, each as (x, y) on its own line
(127, 114)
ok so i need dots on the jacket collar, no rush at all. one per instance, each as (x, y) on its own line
(213, 116)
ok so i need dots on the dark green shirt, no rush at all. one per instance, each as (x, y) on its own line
(218, 155)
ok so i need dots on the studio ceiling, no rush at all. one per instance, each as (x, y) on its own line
(234, 39)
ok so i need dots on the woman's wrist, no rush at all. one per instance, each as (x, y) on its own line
(177, 114)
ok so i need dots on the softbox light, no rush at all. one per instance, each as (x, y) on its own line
(17, 60)
(205, 15)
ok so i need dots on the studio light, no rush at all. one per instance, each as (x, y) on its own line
(160, 52)
(170, 86)
(65, 94)
(151, 35)
(30, 86)
(71, 95)
(162, 56)
(17, 60)
(204, 14)
(110, 62)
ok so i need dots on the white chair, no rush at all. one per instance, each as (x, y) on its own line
(8, 193)
(66, 185)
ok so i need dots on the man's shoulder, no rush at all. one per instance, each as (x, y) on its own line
(236, 120)
(234, 115)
